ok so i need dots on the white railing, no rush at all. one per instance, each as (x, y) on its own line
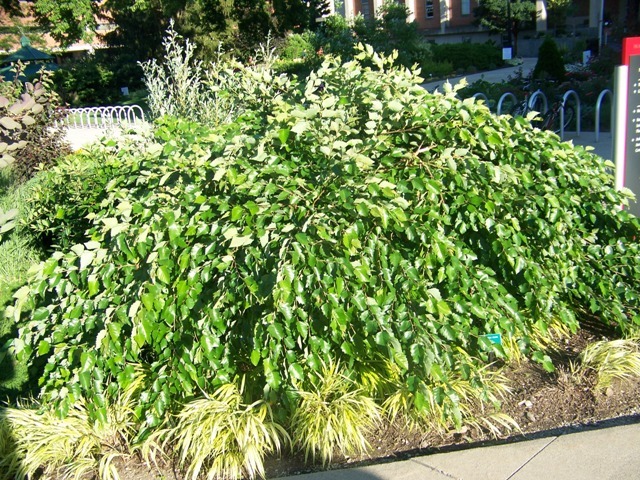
(101, 117)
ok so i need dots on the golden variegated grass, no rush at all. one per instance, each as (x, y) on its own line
(36, 443)
(333, 415)
(73, 447)
(614, 359)
(543, 336)
(222, 437)
(473, 402)
(377, 379)
(546, 336)
(9, 458)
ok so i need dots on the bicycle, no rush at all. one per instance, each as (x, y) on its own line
(523, 108)
(558, 117)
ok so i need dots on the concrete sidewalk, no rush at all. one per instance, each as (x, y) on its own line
(602, 147)
(592, 454)
(493, 76)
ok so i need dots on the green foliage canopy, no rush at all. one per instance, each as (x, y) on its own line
(67, 20)
(353, 218)
(500, 17)
(141, 23)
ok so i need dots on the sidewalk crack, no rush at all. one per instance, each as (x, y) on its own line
(437, 470)
(534, 456)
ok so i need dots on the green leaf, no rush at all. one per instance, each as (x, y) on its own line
(272, 376)
(43, 347)
(300, 127)
(255, 358)
(241, 241)
(283, 134)
(395, 105)
(164, 274)
(276, 330)
(296, 371)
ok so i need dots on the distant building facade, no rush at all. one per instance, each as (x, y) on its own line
(456, 16)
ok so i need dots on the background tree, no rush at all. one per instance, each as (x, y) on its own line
(558, 11)
(494, 14)
(290, 15)
(253, 23)
(67, 20)
(140, 24)
(11, 7)
(208, 23)
(318, 9)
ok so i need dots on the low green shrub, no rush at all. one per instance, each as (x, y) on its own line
(299, 54)
(550, 62)
(298, 46)
(430, 69)
(336, 36)
(57, 214)
(463, 56)
(345, 219)
(389, 32)
(97, 80)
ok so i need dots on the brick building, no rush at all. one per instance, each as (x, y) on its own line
(456, 16)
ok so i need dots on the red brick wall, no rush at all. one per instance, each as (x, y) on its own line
(459, 20)
(420, 13)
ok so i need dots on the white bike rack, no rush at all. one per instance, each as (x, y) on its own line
(503, 98)
(532, 101)
(574, 94)
(601, 97)
(482, 96)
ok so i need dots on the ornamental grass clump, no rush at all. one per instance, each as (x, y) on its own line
(612, 360)
(472, 399)
(343, 220)
(36, 443)
(222, 437)
(333, 414)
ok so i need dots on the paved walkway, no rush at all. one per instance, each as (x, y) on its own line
(493, 76)
(602, 147)
(611, 453)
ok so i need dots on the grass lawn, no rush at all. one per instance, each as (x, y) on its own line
(17, 254)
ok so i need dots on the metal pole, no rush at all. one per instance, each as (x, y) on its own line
(510, 41)
(600, 25)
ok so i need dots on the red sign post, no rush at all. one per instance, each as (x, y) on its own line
(627, 121)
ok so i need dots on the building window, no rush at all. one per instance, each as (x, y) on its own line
(365, 9)
(429, 8)
(466, 7)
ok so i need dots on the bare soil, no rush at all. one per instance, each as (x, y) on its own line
(541, 403)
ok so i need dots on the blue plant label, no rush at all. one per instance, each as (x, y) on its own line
(494, 338)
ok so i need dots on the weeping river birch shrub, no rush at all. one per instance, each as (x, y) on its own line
(350, 219)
